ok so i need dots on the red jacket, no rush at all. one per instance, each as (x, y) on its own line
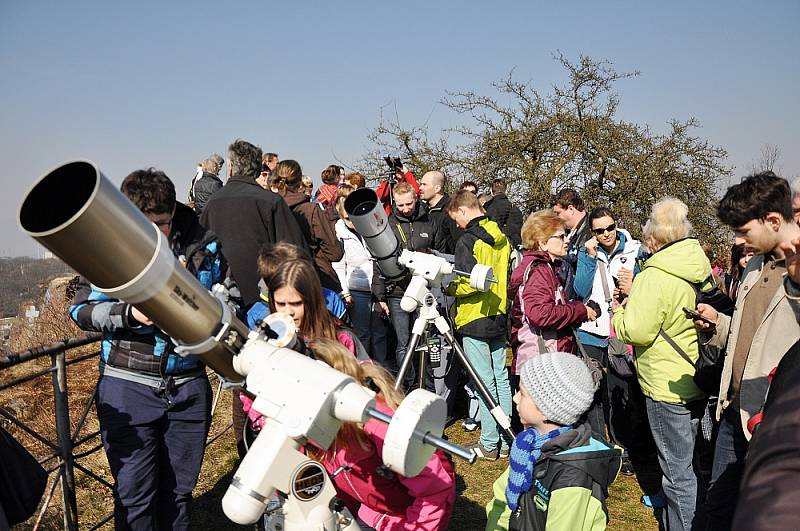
(384, 189)
(388, 501)
(542, 303)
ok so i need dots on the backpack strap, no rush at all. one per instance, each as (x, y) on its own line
(604, 281)
(666, 337)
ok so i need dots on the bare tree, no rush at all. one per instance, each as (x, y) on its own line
(570, 136)
(770, 154)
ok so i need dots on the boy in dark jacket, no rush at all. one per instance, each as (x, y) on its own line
(153, 405)
(559, 472)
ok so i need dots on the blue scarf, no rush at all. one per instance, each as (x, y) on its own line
(525, 451)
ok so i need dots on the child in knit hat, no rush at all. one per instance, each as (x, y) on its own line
(559, 474)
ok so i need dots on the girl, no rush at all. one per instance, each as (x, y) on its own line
(381, 499)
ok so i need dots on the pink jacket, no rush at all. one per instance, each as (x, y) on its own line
(545, 306)
(387, 501)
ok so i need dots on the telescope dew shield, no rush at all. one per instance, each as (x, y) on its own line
(370, 221)
(79, 215)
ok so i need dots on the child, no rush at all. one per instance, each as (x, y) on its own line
(559, 474)
(381, 499)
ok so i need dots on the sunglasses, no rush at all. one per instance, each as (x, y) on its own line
(559, 236)
(601, 231)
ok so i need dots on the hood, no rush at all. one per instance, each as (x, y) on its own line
(518, 274)
(684, 259)
(295, 198)
(420, 211)
(482, 228)
(577, 448)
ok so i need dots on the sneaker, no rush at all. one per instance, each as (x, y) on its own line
(483, 453)
(470, 424)
(504, 453)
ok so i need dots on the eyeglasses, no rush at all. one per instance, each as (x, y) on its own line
(559, 236)
(601, 231)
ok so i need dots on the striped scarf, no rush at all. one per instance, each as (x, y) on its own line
(525, 451)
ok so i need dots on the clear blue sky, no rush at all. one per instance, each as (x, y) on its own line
(165, 84)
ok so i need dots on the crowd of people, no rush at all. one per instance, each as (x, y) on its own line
(623, 351)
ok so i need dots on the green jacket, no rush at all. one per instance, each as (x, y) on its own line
(481, 314)
(571, 480)
(656, 300)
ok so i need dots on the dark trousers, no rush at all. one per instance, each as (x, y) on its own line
(154, 440)
(368, 325)
(402, 321)
(726, 472)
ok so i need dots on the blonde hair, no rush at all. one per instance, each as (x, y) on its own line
(539, 227)
(341, 194)
(367, 374)
(668, 221)
(212, 164)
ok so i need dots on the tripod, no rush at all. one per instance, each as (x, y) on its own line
(429, 314)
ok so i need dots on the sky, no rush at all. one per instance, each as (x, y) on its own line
(136, 84)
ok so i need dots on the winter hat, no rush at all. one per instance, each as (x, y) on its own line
(560, 385)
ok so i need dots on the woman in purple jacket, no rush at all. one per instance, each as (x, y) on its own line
(540, 308)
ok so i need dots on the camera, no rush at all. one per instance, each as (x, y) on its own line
(394, 163)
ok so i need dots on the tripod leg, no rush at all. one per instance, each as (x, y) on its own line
(497, 412)
(407, 358)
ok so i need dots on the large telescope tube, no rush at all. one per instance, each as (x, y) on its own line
(78, 214)
(369, 219)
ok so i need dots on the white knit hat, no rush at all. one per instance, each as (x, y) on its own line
(560, 385)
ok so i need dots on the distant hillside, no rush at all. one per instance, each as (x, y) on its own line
(23, 279)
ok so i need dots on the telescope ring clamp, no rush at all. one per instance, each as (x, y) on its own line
(226, 335)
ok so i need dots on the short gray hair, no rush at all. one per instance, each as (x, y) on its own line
(668, 221)
(244, 159)
(795, 184)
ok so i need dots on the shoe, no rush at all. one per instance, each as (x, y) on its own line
(627, 467)
(470, 424)
(504, 453)
(483, 453)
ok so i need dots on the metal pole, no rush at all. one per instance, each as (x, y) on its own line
(63, 430)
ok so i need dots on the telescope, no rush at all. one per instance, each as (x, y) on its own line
(79, 215)
(370, 221)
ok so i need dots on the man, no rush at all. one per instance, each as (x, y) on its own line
(569, 207)
(245, 216)
(269, 161)
(481, 316)
(763, 327)
(432, 191)
(401, 175)
(414, 231)
(469, 186)
(507, 216)
(153, 405)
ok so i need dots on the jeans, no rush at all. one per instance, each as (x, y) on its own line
(674, 428)
(727, 470)
(596, 416)
(368, 325)
(154, 441)
(402, 322)
(488, 357)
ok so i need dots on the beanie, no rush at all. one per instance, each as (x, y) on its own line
(560, 385)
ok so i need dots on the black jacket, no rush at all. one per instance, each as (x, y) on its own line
(416, 232)
(448, 230)
(245, 216)
(500, 210)
(569, 264)
(320, 235)
(203, 189)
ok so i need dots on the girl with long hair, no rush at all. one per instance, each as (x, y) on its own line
(381, 499)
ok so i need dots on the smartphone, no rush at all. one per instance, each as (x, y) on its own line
(691, 314)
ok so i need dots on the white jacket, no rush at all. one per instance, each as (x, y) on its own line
(625, 258)
(355, 268)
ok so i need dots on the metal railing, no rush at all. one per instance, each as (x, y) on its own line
(69, 444)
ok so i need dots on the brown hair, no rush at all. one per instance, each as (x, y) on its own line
(341, 194)
(356, 180)
(302, 277)
(567, 197)
(330, 175)
(272, 256)
(463, 198)
(539, 227)
(291, 173)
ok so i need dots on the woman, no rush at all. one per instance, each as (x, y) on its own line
(606, 266)
(319, 233)
(381, 499)
(540, 309)
(355, 275)
(740, 257)
(654, 309)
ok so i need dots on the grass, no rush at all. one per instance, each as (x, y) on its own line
(474, 482)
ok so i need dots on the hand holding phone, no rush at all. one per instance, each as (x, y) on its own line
(692, 314)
